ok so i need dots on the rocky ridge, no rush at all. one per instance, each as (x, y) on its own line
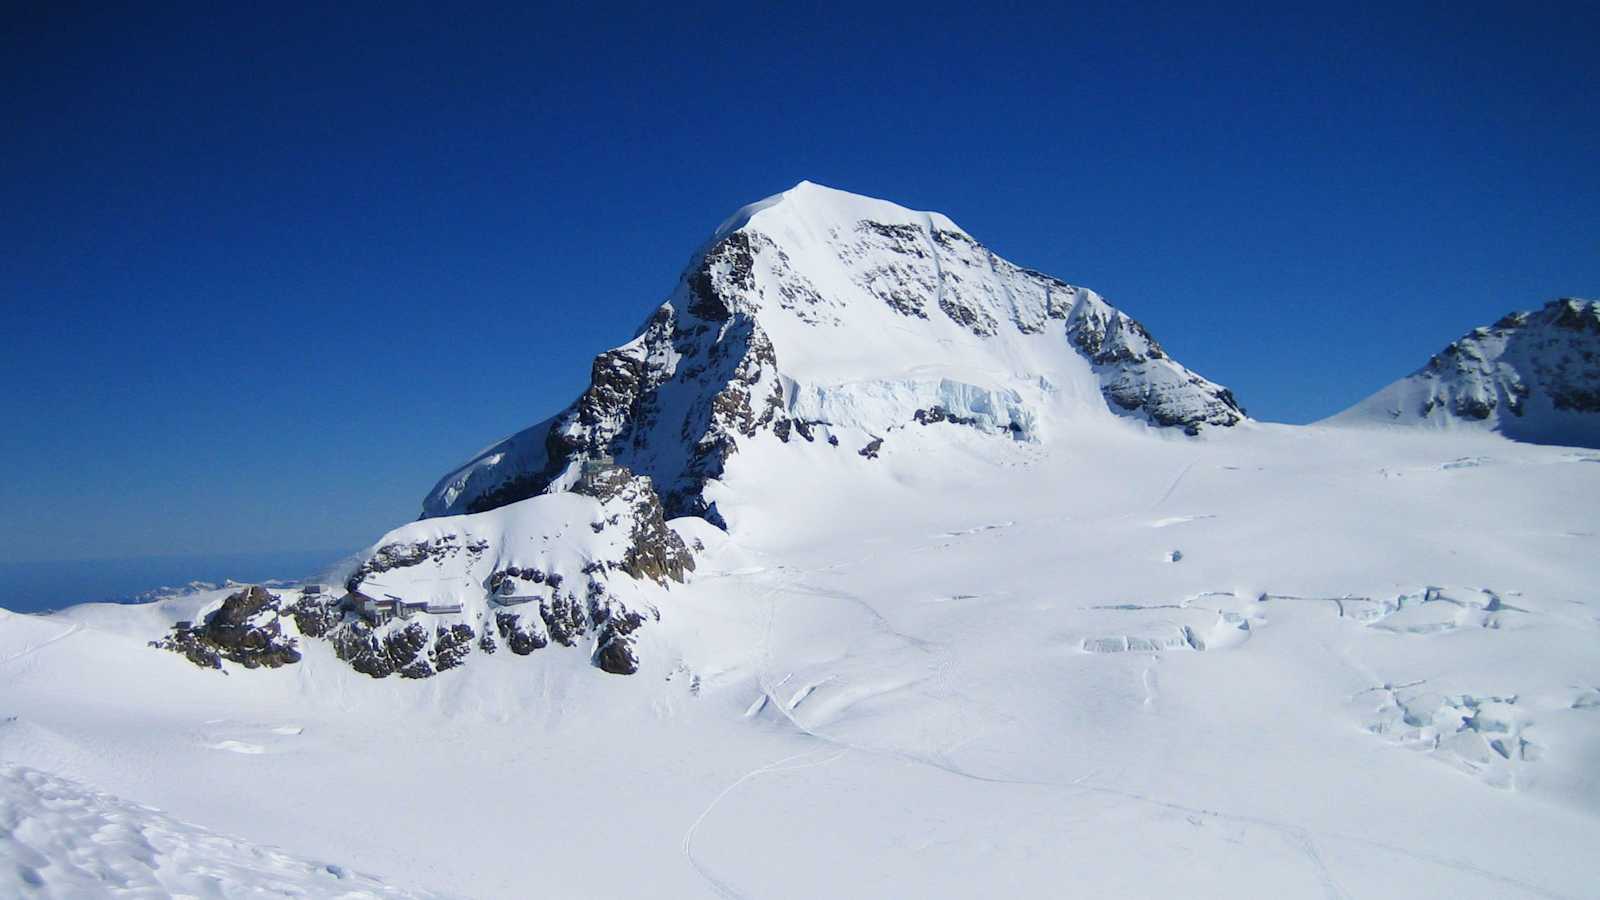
(246, 629)
(578, 569)
(1532, 375)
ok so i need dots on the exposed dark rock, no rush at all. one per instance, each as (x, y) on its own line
(1135, 378)
(246, 630)
(314, 616)
(655, 551)
(417, 668)
(870, 451)
(1525, 359)
(522, 641)
(563, 619)
(1473, 407)
(969, 317)
(940, 414)
(451, 646)
(399, 556)
(615, 655)
(381, 654)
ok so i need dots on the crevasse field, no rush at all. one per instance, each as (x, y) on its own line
(1308, 662)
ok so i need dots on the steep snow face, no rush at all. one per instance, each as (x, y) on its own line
(822, 315)
(1532, 376)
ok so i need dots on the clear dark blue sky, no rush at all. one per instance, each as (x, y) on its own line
(266, 276)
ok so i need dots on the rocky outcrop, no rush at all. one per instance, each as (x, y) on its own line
(383, 652)
(1532, 376)
(404, 555)
(246, 630)
(1137, 376)
(654, 551)
(572, 568)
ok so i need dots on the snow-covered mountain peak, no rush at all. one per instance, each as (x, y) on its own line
(818, 335)
(831, 316)
(809, 206)
(1532, 375)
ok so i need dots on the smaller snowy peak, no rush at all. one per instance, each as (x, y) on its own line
(1532, 376)
(583, 567)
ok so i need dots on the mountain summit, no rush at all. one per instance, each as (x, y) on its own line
(813, 318)
(818, 314)
(1532, 376)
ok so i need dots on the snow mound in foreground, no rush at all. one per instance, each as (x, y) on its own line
(63, 839)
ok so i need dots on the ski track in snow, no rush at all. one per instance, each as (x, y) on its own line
(1173, 487)
(28, 651)
(722, 888)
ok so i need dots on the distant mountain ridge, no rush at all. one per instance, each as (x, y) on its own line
(1532, 376)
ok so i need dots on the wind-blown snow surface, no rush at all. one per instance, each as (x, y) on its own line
(1298, 662)
(62, 839)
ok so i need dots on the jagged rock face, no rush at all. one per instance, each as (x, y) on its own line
(579, 568)
(654, 551)
(401, 555)
(1137, 376)
(246, 630)
(797, 302)
(576, 568)
(1531, 375)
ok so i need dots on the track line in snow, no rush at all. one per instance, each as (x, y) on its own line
(1179, 520)
(1171, 488)
(71, 630)
(722, 888)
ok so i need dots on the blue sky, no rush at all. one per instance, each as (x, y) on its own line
(266, 278)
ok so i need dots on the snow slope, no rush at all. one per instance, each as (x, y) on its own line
(61, 839)
(1533, 376)
(1371, 671)
(971, 625)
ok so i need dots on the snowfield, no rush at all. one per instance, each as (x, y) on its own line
(968, 666)
(1008, 602)
(64, 840)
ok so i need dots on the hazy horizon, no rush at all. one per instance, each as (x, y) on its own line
(43, 585)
